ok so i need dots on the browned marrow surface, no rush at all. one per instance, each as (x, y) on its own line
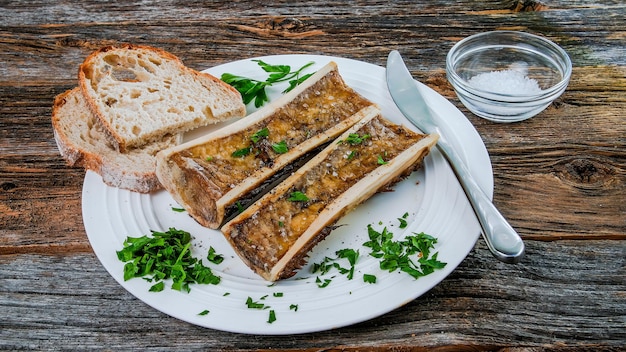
(206, 179)
(275, 234)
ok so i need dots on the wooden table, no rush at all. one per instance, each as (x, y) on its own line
(560, 177)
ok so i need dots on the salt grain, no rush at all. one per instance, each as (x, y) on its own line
(511, 81)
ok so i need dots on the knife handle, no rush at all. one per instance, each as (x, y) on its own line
(503, 241)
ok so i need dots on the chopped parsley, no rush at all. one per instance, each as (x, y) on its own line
(178, 210)
(280, 147)
(256, 148)
(298, 196)
(370, 279)
(411, 255)
(239, 206)
(213, 257)
(255, 305)
(322, 284)
(403, 222)
(260, 134)
(240, 153)
(251, 304)
(355, 139)
(164, 255)
(204, 312)
(272, 316)
(328, 264)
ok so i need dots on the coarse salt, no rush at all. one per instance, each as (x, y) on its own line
(513, 81)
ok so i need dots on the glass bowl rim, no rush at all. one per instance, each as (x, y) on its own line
(456, 80)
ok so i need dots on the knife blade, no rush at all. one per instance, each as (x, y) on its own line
(503, 241)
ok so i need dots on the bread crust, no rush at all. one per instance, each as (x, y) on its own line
(229, 99)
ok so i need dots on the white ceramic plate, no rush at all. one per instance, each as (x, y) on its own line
(433, 198)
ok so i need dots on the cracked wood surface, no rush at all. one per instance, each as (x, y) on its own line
(560, 177)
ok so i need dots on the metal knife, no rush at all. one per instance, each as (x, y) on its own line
(503, 241)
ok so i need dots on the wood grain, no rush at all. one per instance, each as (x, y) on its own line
(560, 177)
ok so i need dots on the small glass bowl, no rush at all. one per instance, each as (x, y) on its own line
(507, 76)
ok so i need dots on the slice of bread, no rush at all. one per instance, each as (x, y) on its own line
(82, 142)
(142, 93)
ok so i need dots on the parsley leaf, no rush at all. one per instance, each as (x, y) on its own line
(354, 139)
(250, 89)
(280, 147)
(158, 287)
(403, 222)
(254, 305)
(260, 134)
(370, 279)
(351, 255)
(214, 257)
(240, 153)
(298, 196)
(322, 284)
(272, 316)
(295, 82)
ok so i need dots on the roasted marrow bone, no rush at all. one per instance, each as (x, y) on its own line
(212, 173)
(274, 235)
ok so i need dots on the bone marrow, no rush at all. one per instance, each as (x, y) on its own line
(274, 235)
(213, 173)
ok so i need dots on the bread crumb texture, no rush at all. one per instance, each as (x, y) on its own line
(82, 142)
(143, 93)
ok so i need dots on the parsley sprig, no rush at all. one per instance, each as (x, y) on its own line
(252, 89)
(166, 255)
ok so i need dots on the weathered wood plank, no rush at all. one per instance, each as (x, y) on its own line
(559, 176)
(53, 39)
(571, 296)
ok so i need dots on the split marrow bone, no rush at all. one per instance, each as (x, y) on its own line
(275, 234)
